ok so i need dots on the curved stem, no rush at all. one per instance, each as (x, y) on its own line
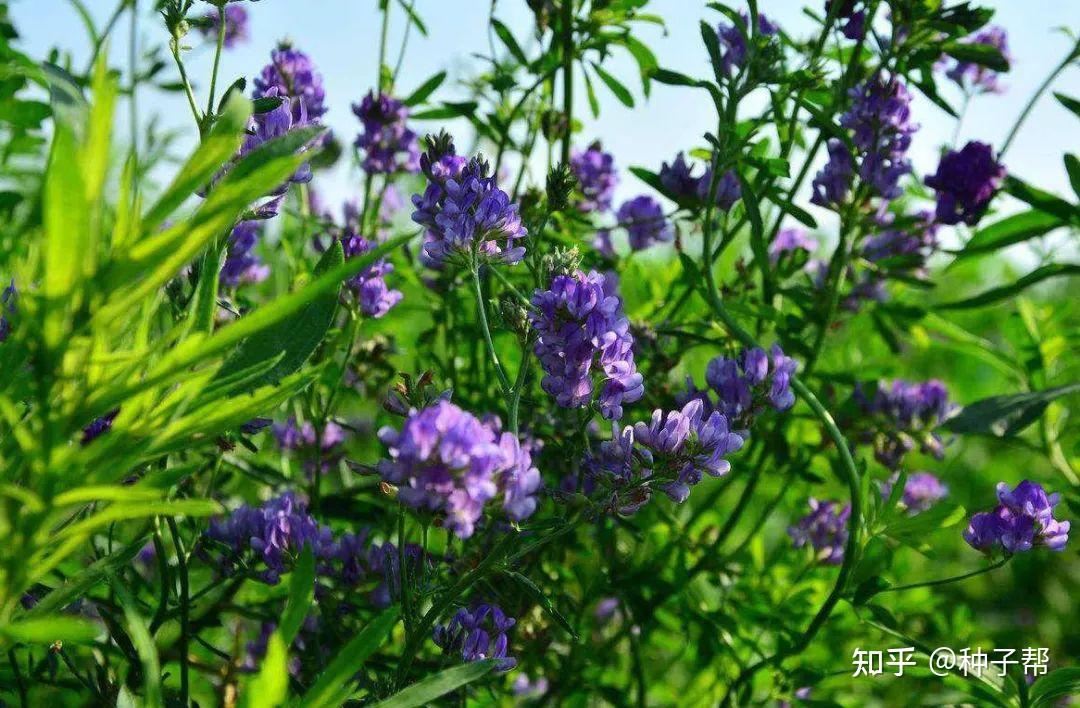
(217, 60)
(946, 581)
(1073, 54)
(504, 382)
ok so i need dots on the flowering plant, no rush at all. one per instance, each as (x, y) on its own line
(568, 430)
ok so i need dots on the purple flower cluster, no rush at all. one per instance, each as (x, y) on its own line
(644, 221)
(445, 459)
(8, 300)
(825, 529)
(356, 559)
(580, 324)
(373, 294)
(480, 633)
(921, 491)
(241, 264)
(965, 182)
(915, 241)
(880, 121)
(595, 172)
(976, 77)
(388, 144)
(274, 533)
(678, 179)
(465, 212)
(791, 240)
(291, 435)
(745, 385)
(733, 44)
(1023, 519)
(906, 414)
(236, 24)
(292, 75)
(832, 184)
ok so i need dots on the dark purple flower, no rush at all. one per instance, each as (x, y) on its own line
(644, 221)
(241, 264)
(8, 300)
(595, 172)
(678, 179)
(480, 633)
(904, 415)
(389, 145)
(976, 77)
(733, 44)
(965, 182)
(445, 459)
(236, 24)
(825, 529)
(832, 184)
(465, 212)
(728, 189)
(1023, 519)
(580, 324)
(790, 240)
(98, 427)
(880, 121)
(273, 534)
(291, 74)
(855, 20)
(916, 241)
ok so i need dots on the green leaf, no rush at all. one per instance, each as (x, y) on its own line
(1053, 270)
(712, 44)
(77, 585)
(270, 687)
(1060, 683)
(331, 688)
(674, 78)
(1042, 200)
(69, 106)
(46, 630)
(981, 54)
(507, 38)
(449, 109)
(1072, 167)
(541, 599)
(590, 93)
(124, 511)
(423, 692)
(24, 114)
(913, 530)
(646, 60)
(425, 89)
(67, 234)
(1069, 102)
(294, 338)
(143, 642)
(1006, 415)
(301, 594)
(94, 156)
(1008, 231)
(621, 92)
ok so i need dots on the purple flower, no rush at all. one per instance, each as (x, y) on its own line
(8, 300)
(733, 44)
(445, 459)
(465, 212)
(98, 427)
(480, 633)
(241, 264)
(373, 294)
(916, 241)
(880, 121)
(580, 324)
(525, 687)
(970, 75)
(388, 144)
(274, 533)
(644, 221)
(236, 24)
(905, 415)
(965, 182)
(855, 24)
(832, 184)
(1023, 519)
(595, 172)
(746, 384)
(921, 491)
(678, 179)
(728, 189)
(790, 240)
(291, 74)
(825, 529)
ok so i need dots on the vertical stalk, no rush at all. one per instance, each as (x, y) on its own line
(133, 101)
(568, 74)
(217, 61)
(504, 382)
(185, 625)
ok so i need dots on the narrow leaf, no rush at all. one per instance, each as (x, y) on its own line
(1005, 415)
(433, 687)
(330, 688)
(1053, 270)
(301, 594)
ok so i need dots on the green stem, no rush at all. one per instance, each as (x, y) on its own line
(1073, 54)
(946, 581)
(217, 61)
(568, 74)
(185, 589)
(133, 101)
(385, 6)
(174, 49)
(504, 382)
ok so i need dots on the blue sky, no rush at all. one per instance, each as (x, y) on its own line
(342, 38)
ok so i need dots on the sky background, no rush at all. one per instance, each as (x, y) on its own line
(341, 36)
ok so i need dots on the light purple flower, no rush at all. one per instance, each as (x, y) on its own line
(790, 240)
(976, 77)
(236, 25)
(921, 491)
(881, 126)
(241, 264)
(644, 221)
(825, 529)
(595, 171)
(389, 145)
(291, 74)
(1023, 519)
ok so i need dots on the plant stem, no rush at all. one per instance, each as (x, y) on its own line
(504, 382)
(385, 7)
(568, 74)
(217, 61)
(133, 101)
(174, 49)
(1073, 54)
(181, 564)
(946, 581)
